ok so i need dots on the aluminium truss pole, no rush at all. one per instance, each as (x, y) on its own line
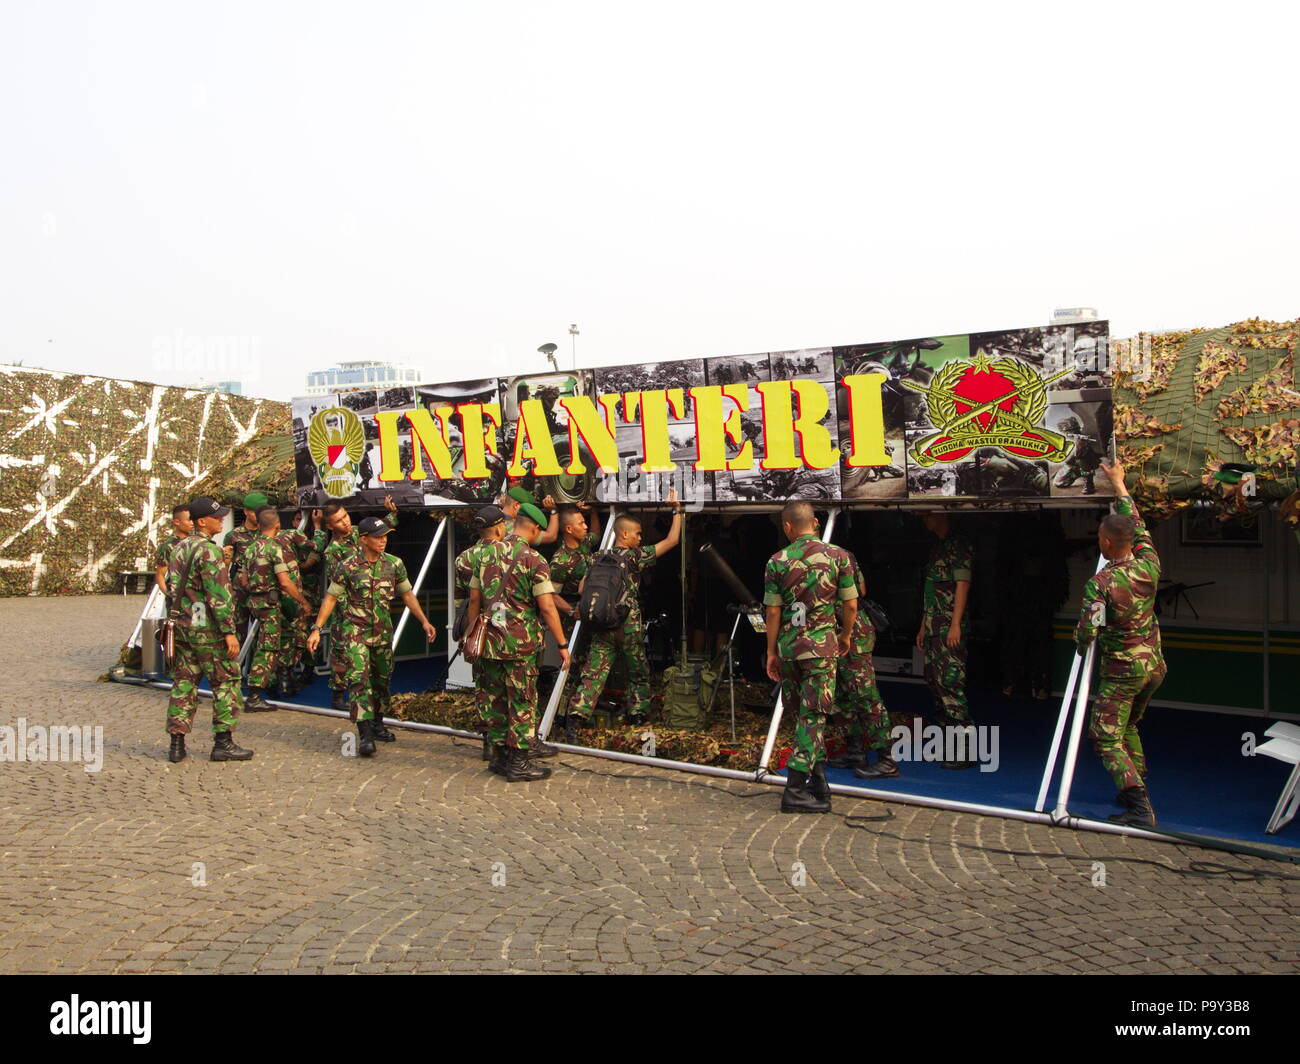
(1062, 809)
(1062, 717)
(779, 709)
(419, 580)
(557, 692)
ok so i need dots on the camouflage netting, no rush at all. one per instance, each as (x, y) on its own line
(265, 463)
(1212, 396)
(90, 468)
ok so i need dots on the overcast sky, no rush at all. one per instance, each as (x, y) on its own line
(453, 184)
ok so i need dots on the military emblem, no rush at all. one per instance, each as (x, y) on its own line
(987, 402)
(337, 443)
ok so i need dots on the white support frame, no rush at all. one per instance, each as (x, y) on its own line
(419, 583)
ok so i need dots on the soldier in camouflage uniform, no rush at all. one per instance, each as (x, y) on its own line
(862, 712)
(237, 541)
(336, 543)
(302, 559)
(206, 644)
(491, 525)
(510, 500)
(802, 586)
(182, 526)
(629, 640)
(1119, 611)
(364, 586)
(569, 565)
(267, 575)
(942, 635)
(512, 586)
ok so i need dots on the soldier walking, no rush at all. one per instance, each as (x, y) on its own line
(942, 635)
(803, 584)
(1119, 611)
(203, 615)
(365, 585)
(266, 575)
(628, 640)
(859, 706)
(512, 586)
(182, 526)
(491, 525)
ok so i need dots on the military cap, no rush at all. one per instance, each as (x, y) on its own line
(531, 512)
(488, 516)
(1232, 472)
(522, 495)
(374, 526)
(255, 499)
(205, 507)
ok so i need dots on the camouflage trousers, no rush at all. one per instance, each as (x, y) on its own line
(603, 651)
(859, 710)
(199, 656)
(808, 688)
(338, 659)
(945, 674)
(268, 650)
(369, 672)
(509, 690)
(1123, 694)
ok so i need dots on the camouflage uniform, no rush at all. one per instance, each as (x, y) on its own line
(239, 540)
(510, 576)
(162, 556)
(203, 612)
(334, 553)
(568, 566)
(299, 550)
(945, 668)
(466, 562)
(1132, 665)
(262, 562)
(629, 641)
(861, 712)
(807, 579)
(364, 591)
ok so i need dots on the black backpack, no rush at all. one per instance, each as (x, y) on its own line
(606, 593)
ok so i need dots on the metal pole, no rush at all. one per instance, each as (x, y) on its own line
(1062, 717)
(681, 550)
(249, 639)
(731, 673)
(148, 605)
(1062, 809)
(557, 692)
(778, 710)
(1265, 525)
(419, 580)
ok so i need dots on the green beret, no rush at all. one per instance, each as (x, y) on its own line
(533, 514)
(254, 499)
(523, 495)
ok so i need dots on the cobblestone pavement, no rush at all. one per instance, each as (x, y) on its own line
(302, 860)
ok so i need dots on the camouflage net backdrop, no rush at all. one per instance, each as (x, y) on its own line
(1212, 396)
(90, 468)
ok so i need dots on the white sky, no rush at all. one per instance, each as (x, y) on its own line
(451, 184)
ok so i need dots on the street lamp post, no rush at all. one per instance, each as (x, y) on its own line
(573, 340)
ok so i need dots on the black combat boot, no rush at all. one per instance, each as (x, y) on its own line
(571, 725)
(537, 750)
(178, 749)
(488, 748)
(519, 768)
(288, 683)
(366, 732)
(339, 700)
(885, 768)
(224, 748)
(821, 790)
(851, 758)
(497, 762)
(256, 702)
(1138, 813)
(797, 798)
(1090, 484)
(381, 731)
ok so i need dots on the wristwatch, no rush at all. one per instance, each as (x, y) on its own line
(315, 627)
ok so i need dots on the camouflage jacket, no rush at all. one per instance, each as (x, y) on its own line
(239, 540)
(863, 638)
(949, 562)
(299, 550)
(1127, 593)
(163, 554)
(509, 576)
(365, 591)
(569, 565)
(263, 560)
(637, 560)
(466, 562)
(202, 603)
(807, 579)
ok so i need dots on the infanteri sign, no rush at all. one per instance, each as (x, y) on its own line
(1019, 414)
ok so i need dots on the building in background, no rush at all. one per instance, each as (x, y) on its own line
(1074, 315)
(353, 376)
(229, 387)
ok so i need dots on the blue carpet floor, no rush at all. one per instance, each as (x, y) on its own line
(1199, 781)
